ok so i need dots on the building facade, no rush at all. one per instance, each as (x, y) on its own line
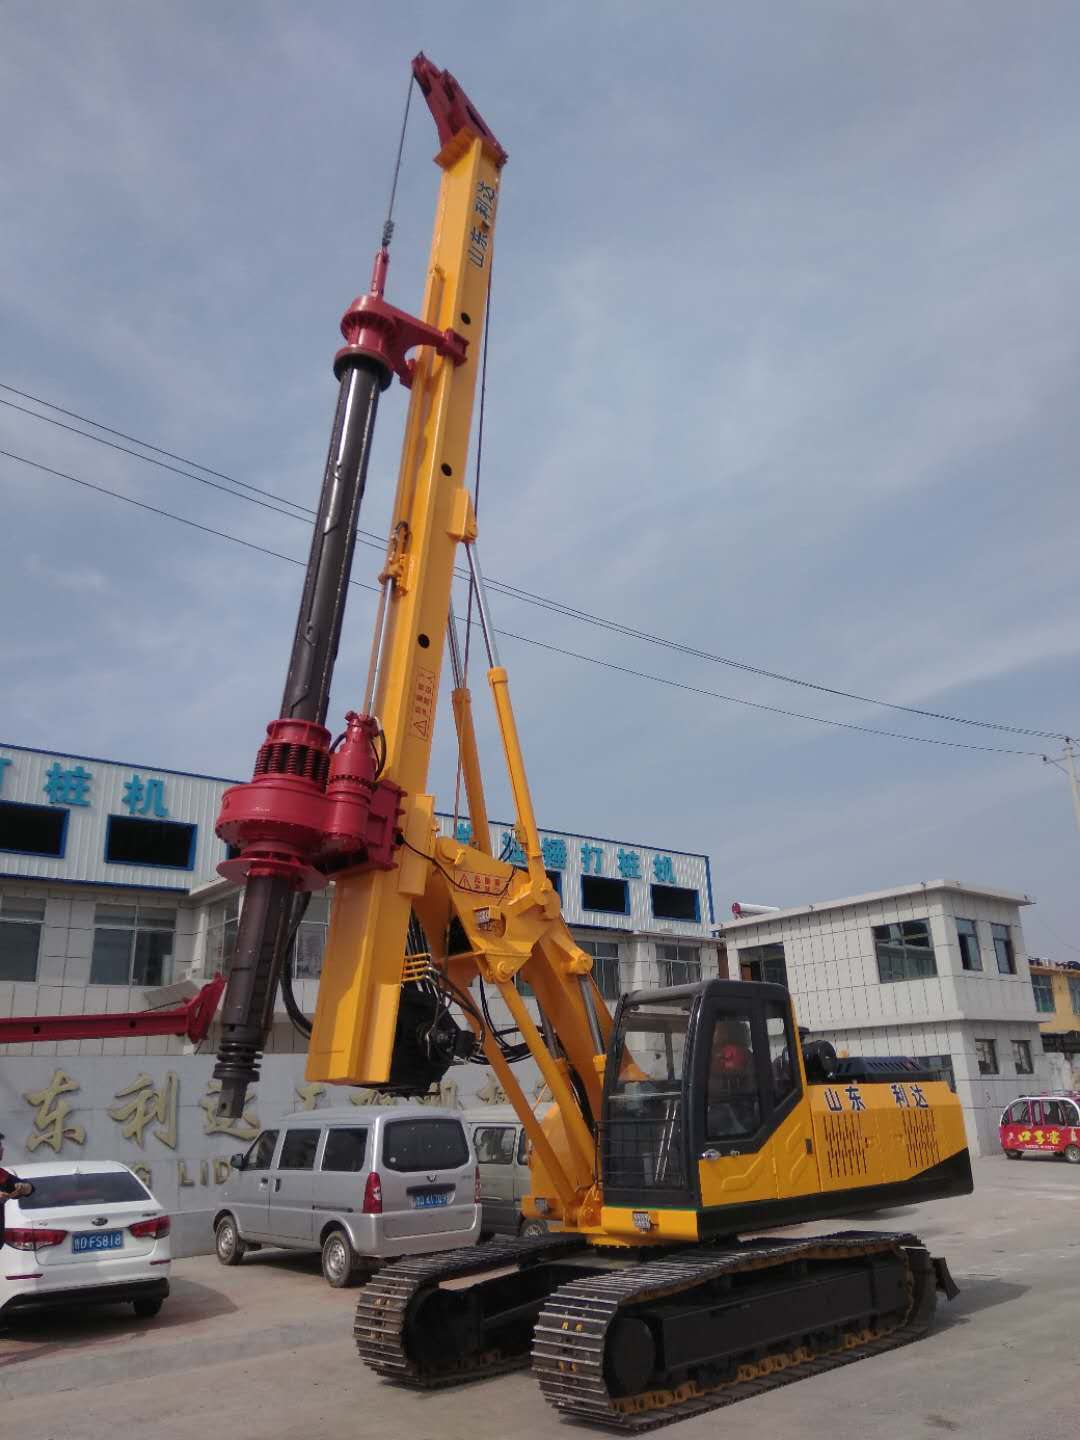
(1056, 988)
(109, 892)
(935, 970)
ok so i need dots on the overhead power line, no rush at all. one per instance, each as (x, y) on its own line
(503, 587)
(527, 639)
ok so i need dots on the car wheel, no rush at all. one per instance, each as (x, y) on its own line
(1072, 1154)
(532, 1229)
(227, 1243)
(1012, 1154)
(146, 1309)
(338, 1260)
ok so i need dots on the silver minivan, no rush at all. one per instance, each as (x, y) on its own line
(502, 1157)
(359, 1184)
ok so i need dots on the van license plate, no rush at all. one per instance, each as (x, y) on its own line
(97, 1240)
(430, 1201)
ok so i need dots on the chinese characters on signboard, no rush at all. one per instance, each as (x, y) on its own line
(71, 787)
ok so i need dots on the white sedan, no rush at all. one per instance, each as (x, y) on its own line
(90, 1233)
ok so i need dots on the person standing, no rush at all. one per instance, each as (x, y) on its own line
(11, 1188)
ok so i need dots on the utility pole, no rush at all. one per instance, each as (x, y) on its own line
(1069, 768)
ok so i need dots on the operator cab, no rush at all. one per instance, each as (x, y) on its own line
(698, 1071)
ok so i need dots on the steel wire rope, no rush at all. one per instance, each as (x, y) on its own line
(530, 640)
(528, 597)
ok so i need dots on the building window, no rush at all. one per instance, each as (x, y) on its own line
(968, 936)
(1074, 995)
(222, 922)
(164, 843)
(1003, 949)
(20, 937)
(904, 951)
(986, 1054)
(1043, 988)
(310, 942)
(598, 892)
(606, 956)
(763, 962)
(679, 964)
(1067, 1043)
(555, 876)
(675, 902)
(33, 829)
(1022, 1057)
(133, 945)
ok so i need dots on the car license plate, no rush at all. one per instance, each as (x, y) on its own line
(87, 1240)
(431, 1200)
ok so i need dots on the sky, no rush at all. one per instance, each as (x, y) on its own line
(783, 364)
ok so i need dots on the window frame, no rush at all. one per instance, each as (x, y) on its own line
(389, 1126)
(694, 919)
(666, 980)
(1042, 988)
(608, 880)
(287, 1134)
(986, 1040)
(753, 957)
(590, 947)
(1024, 1045)
(6, 806)
(331, 1131)
(193, 842)
(1010, 948)
(135, 929)
(27, 923)
(276, 1133)
(729, 998)
(502, 1129)
(897, 940)
(961, 936)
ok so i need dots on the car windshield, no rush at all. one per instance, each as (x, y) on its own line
(90, 1187)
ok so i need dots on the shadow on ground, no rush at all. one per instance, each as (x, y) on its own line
(33, 1335)
(977, 1292)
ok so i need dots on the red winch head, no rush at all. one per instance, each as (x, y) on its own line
(306, 805)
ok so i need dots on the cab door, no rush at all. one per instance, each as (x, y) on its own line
(248, 1192)
(291, 1219)
(752, 1121)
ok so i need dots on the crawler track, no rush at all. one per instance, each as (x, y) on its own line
(569, 1348)
(441, 1320)
(385, 1329)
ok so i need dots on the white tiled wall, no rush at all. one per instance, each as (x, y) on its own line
(833, 975)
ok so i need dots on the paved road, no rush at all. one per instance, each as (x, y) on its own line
(264, 1351)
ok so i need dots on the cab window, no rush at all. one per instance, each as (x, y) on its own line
(262, 1152)
(782, 1073)
(523, 1147)
(1055, 1112)
(733, 1109)
(494, 1144)
(1017, 1113)
(1071, 1113)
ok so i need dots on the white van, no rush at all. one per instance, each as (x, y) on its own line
(358, 1184)
(502, 1157)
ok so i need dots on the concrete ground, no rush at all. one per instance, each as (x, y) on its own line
(265, 1351)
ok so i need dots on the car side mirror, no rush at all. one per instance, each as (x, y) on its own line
(237, 1161)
